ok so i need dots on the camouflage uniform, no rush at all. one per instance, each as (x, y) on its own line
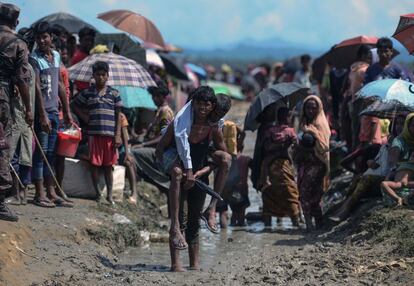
(13, 69)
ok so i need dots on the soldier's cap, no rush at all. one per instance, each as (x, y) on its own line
(9, 11)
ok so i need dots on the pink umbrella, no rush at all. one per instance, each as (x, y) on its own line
(405, 32)
(134, 24)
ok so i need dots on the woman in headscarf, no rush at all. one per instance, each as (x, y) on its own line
(313, 165)
(402, 160)
(277, 183)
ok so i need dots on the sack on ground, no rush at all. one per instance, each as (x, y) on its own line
(77, 182)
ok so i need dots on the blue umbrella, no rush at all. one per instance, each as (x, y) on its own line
(135, 97)
(388, 90)
(199, 71)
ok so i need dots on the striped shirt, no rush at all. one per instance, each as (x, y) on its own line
(101, 107)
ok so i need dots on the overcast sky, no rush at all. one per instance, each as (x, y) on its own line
(213, 23)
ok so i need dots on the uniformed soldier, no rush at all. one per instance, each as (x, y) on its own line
(13, 72)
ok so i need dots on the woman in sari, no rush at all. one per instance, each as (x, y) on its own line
(279, 190)
(313, 167)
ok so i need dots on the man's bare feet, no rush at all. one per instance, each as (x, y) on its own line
(223, 220)
(177, 269)
(177, 240)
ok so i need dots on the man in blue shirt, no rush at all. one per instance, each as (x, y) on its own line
(49, 92)
(384, 68)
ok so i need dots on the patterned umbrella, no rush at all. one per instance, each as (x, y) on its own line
(388, 109)
(122, 71)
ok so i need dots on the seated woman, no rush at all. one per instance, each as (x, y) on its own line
(277, 183)
(402, 188)
(402, 147)
(370, 181)
(201, 135)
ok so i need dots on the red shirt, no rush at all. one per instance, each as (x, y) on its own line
(77, 57)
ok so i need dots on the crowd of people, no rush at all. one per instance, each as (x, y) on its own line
(291, 165)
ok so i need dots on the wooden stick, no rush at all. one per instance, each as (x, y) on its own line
(48, 164)
(17, 175)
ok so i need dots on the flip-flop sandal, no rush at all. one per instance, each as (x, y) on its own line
(44, 203)
(205, 219)
(175, 243)
(62, 203)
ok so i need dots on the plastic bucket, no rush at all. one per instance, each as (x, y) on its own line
(68, 143)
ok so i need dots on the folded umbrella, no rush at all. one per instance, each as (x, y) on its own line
(205, 188)
(293, 91)
(122, 71)
(405, 32)
(134, 24)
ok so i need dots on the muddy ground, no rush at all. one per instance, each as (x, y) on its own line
(97, 245)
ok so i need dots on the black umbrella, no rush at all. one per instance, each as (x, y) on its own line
(389, 109)
(71, 23)
(319, 65)
(205, 188)
(291, 90)
(122, 44)
(175, 67)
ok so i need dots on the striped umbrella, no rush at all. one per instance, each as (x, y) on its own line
(122, 71)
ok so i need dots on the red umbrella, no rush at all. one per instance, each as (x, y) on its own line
(360, 40)
(134, 24)
(405, 32)
(345, 53)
